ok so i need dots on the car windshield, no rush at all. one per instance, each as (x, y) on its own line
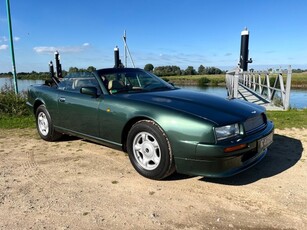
(129, 80)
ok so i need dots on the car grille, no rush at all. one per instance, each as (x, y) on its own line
(255, 124)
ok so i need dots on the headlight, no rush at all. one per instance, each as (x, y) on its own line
(227, 131)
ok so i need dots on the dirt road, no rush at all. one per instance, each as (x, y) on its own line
(75, 184)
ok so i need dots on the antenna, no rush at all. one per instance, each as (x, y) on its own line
(127, 51)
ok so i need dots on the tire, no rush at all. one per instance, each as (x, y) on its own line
(44, 125)
(149, 150)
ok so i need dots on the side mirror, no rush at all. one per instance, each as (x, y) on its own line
(92, 91)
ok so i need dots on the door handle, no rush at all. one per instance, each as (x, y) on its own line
(62, 99)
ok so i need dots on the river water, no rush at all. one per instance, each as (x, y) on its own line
(298, 97)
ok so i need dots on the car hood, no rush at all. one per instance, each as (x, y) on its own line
(218, 110)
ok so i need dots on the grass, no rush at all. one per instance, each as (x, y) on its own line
(13, 110)
(14, 122)
(289, 119)
(299, 80)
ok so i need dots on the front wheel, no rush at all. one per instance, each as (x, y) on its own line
(44, 125)
(149, 150)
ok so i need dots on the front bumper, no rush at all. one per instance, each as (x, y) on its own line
(211, 161)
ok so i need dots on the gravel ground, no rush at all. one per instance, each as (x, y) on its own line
(75, 184)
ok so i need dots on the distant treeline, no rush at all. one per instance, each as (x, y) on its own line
(28, 75)
(299, 70)
(161, 71)
(176, 71)
(44, 75)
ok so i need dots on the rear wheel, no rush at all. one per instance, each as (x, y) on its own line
(149, 150)
(44, 125)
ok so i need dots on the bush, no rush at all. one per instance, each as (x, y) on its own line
(12, 104)
(203, 81)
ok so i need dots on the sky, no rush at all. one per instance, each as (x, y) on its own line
(161, 32)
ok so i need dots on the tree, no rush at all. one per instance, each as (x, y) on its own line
(217, 70)
(149, 67)
(212, 70)
(167, 71)
(73, 69)
(201, 70)
(91, 69)
(190, 71)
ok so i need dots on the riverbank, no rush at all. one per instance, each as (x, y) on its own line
(299, 80)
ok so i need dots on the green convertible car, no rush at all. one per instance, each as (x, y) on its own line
(163, 128)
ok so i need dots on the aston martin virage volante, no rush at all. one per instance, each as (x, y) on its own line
(162, 128)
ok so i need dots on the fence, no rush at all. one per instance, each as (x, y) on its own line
(266, 85)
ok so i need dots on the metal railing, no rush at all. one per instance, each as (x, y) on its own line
(267, 85)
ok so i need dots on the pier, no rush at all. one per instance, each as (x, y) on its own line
(268, 89)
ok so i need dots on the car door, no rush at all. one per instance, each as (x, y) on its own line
(79, 112)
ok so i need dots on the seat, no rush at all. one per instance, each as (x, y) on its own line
(78, 83)
(115, 86)
(82, 83)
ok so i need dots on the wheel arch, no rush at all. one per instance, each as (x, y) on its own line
(127, 128)
(37, 104)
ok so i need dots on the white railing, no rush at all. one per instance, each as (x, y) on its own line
(232, 83)
(268, 85)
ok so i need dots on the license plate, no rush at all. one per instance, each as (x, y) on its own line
(266, 141)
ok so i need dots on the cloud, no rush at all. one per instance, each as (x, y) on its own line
(3, 39)
(45, 49)
(62, 49)
(227, 54)
(3, 47)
